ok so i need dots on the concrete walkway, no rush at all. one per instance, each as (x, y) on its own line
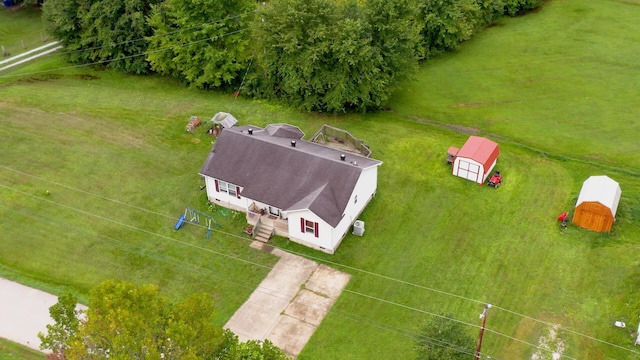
(289, 303)
(24, 312)
(286, 308)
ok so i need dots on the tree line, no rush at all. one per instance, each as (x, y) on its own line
(318, 55)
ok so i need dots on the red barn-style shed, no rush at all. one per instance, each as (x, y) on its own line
(476, 159)
(597, 203)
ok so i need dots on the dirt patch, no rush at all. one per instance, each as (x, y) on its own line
(532, 80)
(88, 77)
(69, 127)
(485, 103)
(453, 127)
(593, 156)
(40, 78)
(550, 346)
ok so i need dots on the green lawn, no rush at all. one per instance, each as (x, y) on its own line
(12, 351)
(563, 79)
(112, 152)
(21, 30)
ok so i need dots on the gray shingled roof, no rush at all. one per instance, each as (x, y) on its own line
(271, 171)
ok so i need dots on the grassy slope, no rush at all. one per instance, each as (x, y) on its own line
(499, 246)
(12, 351)
(21, 30)
(562, 79)
(122, 137)
(128, 144)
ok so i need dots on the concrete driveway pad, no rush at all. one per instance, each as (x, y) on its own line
(309, 307)
(291, 334)
(290, 302)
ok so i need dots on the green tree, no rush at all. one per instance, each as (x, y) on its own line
(127, 321)
(447, 23)
(108, 32)
(204, 43)
(295, 51)
(63, 19)
(396, 35)
(66, 318)
(444, 339)
(517, 7)
(328, 56)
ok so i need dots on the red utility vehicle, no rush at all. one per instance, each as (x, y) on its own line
(495, 180)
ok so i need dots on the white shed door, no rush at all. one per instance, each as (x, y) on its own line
(468, 170)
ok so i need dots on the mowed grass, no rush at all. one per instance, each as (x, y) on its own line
(561, 79)
(443, 245)
(12, 351)
(93, 180)
(112, 152)
(22, 30)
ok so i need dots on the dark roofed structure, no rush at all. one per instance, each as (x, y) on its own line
(274, 166)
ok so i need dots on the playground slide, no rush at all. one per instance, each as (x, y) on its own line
(179, 223)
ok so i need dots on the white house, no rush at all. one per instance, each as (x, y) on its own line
(307, 192)
(475, 160)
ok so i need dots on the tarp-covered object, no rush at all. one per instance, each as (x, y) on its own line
(225, 119)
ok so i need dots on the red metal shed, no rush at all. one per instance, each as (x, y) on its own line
(476, 159)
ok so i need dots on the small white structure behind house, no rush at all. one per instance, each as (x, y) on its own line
(475, 160)
(308, 192)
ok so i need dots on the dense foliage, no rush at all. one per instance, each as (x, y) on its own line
(111, 33)
(127, 321)
(317, 55)
(323, 55)
(203, 43)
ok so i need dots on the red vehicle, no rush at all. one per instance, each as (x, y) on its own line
(495, 180)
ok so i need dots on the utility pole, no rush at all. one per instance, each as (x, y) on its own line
(483, 316)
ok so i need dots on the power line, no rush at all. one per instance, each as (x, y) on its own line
(134, 227)
(120, 58)
(226, 278)
(451, 319)
(442, 292)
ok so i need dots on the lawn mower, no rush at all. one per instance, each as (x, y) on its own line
(495, 180)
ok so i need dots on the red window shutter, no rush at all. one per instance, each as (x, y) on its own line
(315, 227)
(302, 225)
(238, 191)
(217, 189)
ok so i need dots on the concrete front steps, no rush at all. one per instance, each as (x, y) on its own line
(264, 233)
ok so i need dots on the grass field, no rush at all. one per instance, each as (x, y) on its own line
(550, 79)
(112, 152)
(12, 351)
(21, 30)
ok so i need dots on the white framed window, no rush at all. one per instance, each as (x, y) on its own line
(225, 187)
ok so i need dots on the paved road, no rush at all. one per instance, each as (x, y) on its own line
(24, 312)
